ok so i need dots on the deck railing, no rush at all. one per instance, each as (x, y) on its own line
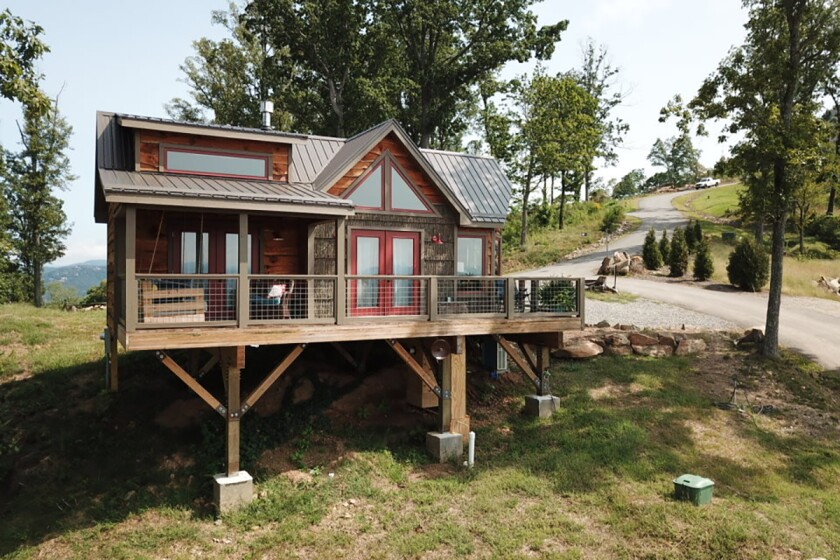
(200, 300)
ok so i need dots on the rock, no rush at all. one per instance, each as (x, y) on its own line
(654, 351)
(580, 350)
(606, 266)
(603, 325)
(617, 339)
(303, 391)
(637, 264)
(599, 340)
(752, 336)
(618, 350)
(667, 340)
(689, 346)
(627, 327)
(641, 339)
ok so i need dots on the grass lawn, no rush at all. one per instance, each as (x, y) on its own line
(86, 474)
(716, 209)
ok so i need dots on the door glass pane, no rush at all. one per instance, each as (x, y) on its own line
(403, 262)
(402, 196)
(367, 263)
(369, 193)
(232, 253)
(190, 249)
(470, 256)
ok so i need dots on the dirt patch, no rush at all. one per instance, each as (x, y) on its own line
(182, 413)
(614, 391)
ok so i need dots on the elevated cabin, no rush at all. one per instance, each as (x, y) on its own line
(222, 237)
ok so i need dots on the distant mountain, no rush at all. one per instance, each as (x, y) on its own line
(81, 276)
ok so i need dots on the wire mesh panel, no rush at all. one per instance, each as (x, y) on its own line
(386, 296)
(471, 295)
(546, 295)
(278, 298)
(180, 299)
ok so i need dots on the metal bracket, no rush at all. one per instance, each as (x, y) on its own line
(222, 411)
(234, 415)
(245, 408)
(445, 395)
(544, 388)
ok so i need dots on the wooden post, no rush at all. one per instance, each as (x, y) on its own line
(581, 287)
(433, 298)
(233, 361)
(340, 270)
(244, 287)
(543, 365)
(510, 297)
(131, 291)
(459, 422)
(445, 408)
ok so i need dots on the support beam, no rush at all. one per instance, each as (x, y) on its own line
(547, 339)
(418, 370)
(529, 356)
(233, 427)
(208, 365)
(518, 359)
(459, 422)
(417, 393)
(203, 393)
(543, 368)
(112, 360)
(131, 291)
(244, 288)
(340, 270)
(342, 351)
(271, 378)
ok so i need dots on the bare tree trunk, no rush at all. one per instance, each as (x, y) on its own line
(526, 193)
(587, 182)
(36, 278)
(774, 300)
(832, 198)
(562, 214)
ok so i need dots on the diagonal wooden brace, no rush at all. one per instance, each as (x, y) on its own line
(424, 375)
(519, 360)
(529, 355)
(181, 374)
(271, 378)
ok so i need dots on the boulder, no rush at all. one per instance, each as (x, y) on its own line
(618, 350)
(627, 327)
(580, 350)
(617, 339)
(752, 336)
(606, 266)
(603, 324)
(654, 351)
(667, 340)
(637, 264)
(642, 339)
(689, 346)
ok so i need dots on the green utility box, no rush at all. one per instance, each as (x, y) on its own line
(694, 488)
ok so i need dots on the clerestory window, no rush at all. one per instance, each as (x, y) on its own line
(386, 187)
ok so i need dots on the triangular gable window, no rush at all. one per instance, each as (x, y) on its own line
(387, 188)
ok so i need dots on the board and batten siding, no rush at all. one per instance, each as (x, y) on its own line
(150, 141)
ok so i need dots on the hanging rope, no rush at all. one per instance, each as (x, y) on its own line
(157, 238)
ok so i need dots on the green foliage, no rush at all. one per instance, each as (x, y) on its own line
(698, 232)
(557, 296)
(97, 294)
(665, 246)
(827, 230)
(613, 219)
(630, 185)
(679, 158)
(690, 240)
(704, 266)
(748, 267)
(678, 254)
(650, 252)
(61, 295)
(20, 49)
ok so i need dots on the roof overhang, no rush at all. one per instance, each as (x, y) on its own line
(204, 130)
(130, 187)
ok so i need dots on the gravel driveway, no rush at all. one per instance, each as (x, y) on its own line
(645, 313)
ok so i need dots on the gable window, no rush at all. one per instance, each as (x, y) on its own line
(221, 164)
(470, 253)
(386, 187)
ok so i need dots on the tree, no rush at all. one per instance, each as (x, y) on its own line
(613, 219)
(748, 265)
(698, 232)
(20, 48)
(62, 295)
(630, 185)
(690, 241)
(678, 255)
(38, 224)
(767, 89)
(96, 295)
(449, 46)
(704, 267)
(679, 158)
(650, 252)
(597, 77)
(665, 246)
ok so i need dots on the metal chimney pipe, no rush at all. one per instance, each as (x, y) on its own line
(266, 108)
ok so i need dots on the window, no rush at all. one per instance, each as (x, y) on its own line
(470, 256)
(387, 188)
(248, 166)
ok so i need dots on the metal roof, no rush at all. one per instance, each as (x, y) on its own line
(157, 123)
(351, 152)
(310, 157)
(160, 185)
(477, 181)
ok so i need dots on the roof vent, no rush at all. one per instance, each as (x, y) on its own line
(266, 108)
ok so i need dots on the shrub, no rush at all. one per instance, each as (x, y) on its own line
(650, 252)
(690, 240)
(97, 294)
(698, 232)
(678, 255)
(557, 296)
(613, 218)
(748, 267)
(664, 246)
(703, 265)
(827, 230)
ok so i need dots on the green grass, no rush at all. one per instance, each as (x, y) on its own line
(719, 202)
(86, 474)
(621, 297)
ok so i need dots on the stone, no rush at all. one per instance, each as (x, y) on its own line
(752, 336)
(303, 391)
(603, 324)
(619, 350)
(637, 264)
(690, 346)
(541, 406)
(445, 446)
(654, 351)
(627, 327)
(233, 492)
(580, 350)
(642, 339)
(667, 340)
(617, 339)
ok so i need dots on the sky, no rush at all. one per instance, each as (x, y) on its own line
(124, 57)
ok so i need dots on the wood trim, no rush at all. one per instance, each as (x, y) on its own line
(268, 207)
(341, 271)
(198, 130)
(244, 285)
(266, 157)
(131, 288)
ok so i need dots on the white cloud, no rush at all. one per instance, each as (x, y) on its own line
(629, 12)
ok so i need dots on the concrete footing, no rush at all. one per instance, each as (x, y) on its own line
(445, 446)
(231, 492)
(541, 406)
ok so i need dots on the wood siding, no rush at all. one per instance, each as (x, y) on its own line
(415, 173)
(281, 256)
(150, 141)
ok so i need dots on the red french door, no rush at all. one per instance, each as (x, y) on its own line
(384, 253)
